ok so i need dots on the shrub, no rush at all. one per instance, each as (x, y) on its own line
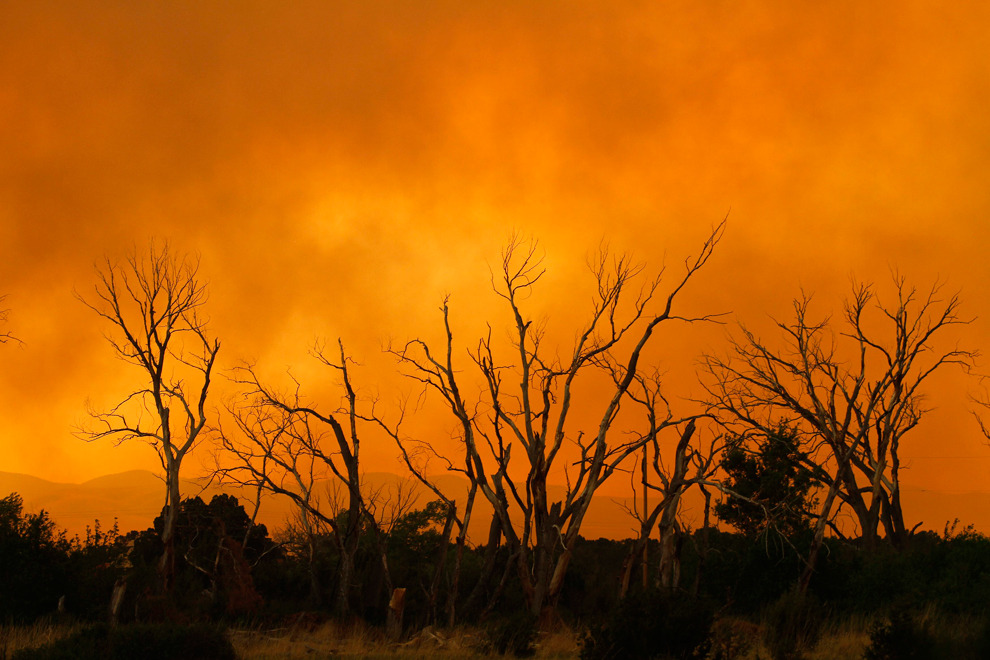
(148, 642)
(792, 625)
(650, 625)
(33, 560)
(901, 638)
(515, 634)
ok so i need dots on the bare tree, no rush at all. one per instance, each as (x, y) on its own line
(286, 446)
(266, 454)
(851, 394)
(668, 479)
(437, 374)
(530, 419)
(153, 304)
(6, 335)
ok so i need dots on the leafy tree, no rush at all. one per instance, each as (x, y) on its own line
(33, 561)
(216, 543)
(96, 563)
(776, 488)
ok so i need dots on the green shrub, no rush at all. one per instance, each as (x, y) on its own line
(138, 641)
(651, 625)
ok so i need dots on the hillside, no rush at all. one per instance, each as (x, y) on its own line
(136, 497)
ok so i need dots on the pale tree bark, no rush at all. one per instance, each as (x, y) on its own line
(437, 374)
(852, 393)
(668, 480)
(153, 305)
(384, 506)
(267, 454)
(526, 424)
(286, 446)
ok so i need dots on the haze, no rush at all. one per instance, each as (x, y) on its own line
(340, 167)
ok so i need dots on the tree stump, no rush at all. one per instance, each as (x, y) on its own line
(393, 620)
(117, 599)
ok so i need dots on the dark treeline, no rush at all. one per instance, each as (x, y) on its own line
(230, 571)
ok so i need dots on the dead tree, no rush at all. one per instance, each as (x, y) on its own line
(266, 454)
(526, 433)
(688, 466)
(852, 394)
(5, 335)
(437, 374)
(153, 305)
(668, 476)
(288, 446)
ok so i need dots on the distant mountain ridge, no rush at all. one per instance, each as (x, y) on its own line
(136, 497)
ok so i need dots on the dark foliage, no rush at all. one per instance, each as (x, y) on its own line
(591, 583)
(772, 477)
(792, 625)
(901, 638)
(95, 563)
(213, 561)
(650, 625)
(144, 641)
(950, 572)
(743, 575)
(744, 578)
(34, 562)
(513, 634)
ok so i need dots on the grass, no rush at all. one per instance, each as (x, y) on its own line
(843, 639)
(14, 637)
(326, 640)
(336, 640)
(741, 639)
(358, 641)
(840, 639)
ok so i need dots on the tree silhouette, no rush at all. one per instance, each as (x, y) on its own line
(152, 304)
(529, 395)
(286, 445)
(850, 394)
(776, 487)
(5, 335)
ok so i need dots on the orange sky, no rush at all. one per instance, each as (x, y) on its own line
(340, 167)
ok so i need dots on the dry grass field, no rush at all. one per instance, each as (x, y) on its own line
(734, 638)
(332, 640)
(357, 641)
(327, 640)
(13, 638)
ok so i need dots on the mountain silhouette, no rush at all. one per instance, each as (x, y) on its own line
(135, 497)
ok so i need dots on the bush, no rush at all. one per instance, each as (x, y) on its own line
(901, 638)
(514, 634)
(147, 642)
(33, 562)
(792, 625)
(651, 625)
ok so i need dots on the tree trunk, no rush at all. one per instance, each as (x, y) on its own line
(345, 573)
(441, 563)
(627, 568)
(393, 618)
(166, 568)
(488, 568)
